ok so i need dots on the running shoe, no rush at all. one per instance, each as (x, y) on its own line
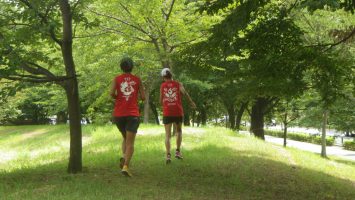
(178, 155)
(125, 171)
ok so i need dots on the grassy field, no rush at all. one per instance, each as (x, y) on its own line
(218, 164)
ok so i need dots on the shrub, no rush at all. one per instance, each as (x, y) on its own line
(302, 137)
(349, 145)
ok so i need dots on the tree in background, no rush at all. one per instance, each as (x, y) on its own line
(162, 26)
(330, 37)
(287, 111)
(8, 102)
(263, 46)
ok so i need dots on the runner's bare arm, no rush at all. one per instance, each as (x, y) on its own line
(141, 91)
(184, 92)
(113, 89)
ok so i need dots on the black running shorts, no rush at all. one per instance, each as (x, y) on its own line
(128, 123)
(172, 119)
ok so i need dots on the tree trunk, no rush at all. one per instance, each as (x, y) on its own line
(75, 158)
(285, 124)
(198, 120)
(227, 120)
(88, 121)
(62, 117)
(231, 117)
(146, 106)
(193, 118)
(165, 56)
(257, 117)
(155, 111)
(203, 116)
(240, 115)
(347, 133)
(285, 134)
(324, 132)
(72, 91)
(187, 119)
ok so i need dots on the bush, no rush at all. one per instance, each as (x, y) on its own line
(302, 137)
(349, 145)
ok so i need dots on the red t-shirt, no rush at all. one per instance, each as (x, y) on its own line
(127, 87)
(171, 97)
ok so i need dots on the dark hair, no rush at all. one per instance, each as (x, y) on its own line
(168, 75)
(126, 64)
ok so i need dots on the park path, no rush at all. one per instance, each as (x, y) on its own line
(315, 148)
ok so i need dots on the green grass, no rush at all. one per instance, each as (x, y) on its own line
(218, 164)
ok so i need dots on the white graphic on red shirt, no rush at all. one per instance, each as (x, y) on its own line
(127, 88)
(170, 94)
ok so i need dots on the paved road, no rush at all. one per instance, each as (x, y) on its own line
(331, 151)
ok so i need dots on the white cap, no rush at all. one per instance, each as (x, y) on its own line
(164, 71)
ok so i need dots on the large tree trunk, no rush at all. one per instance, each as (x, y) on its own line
(240, 115)
(72, 91)
(324, 132)
(155, 111)
(257, 117)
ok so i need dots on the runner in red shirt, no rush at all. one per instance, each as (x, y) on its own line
(170, 99)
(125, 90)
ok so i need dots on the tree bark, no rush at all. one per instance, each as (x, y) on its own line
(285, 133)
(257, 117)
(198, 119)
(75, 158)
(193, 118)
(324, 132)
(203, 116)
(285, 122)
(240, 115)
(72, 91)
(155, 111)
(231, 117)
(62, 117)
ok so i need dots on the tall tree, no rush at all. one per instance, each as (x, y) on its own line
(331, 35)
(163, 26)
(265, 45)
(36, 39)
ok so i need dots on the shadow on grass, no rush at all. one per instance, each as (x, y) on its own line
(208, 172)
